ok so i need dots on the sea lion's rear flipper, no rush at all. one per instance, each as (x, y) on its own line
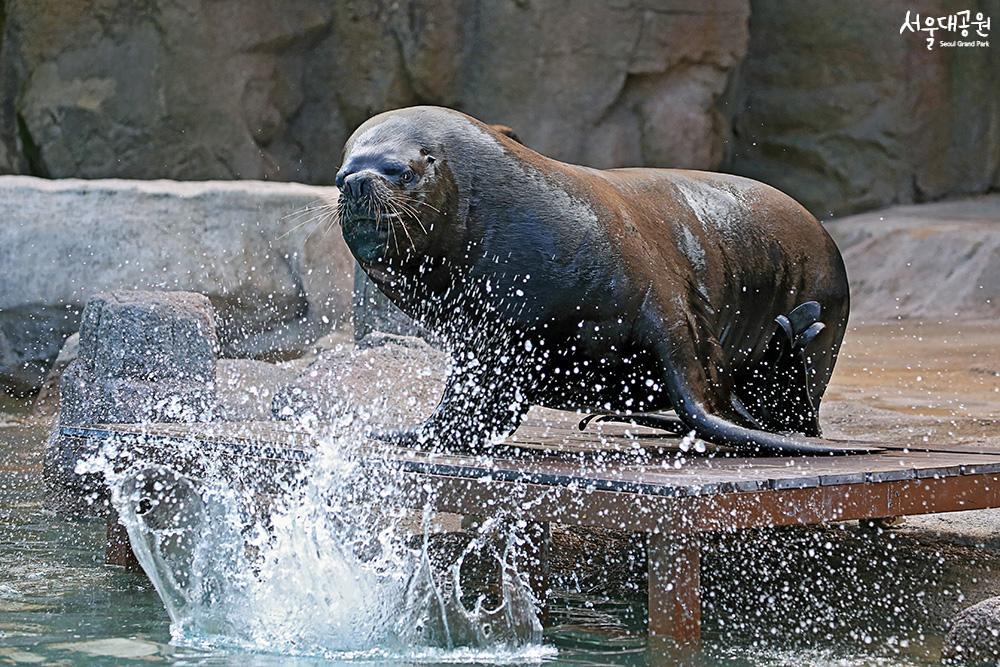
(700, 396)
(779, 391)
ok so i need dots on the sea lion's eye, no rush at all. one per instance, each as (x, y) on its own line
(431, 159)
(406, 176)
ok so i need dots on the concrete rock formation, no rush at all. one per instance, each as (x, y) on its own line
(261, 90)
(827, 99)
(839, 109)
(974, 637)
(46, 403)
(374, 312)
(935, 262)
(275, 287)
(143, 356)
(387, 380)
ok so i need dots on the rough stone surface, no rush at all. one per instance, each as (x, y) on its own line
(255, 89)
(143, 356)
(974, 637)
(245, 387)
(972, 528)
(375, 313)
(844, 113)
(933, 261)
(276, 287)
(827, 99)
(387, 381)
(46, 402)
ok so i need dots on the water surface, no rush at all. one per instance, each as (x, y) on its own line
(829, 596)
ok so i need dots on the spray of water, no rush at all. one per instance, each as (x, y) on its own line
(331, 561)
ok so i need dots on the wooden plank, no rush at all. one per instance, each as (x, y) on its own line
(697, 477)
(723, 512)
(117, 549)
(980, 468)
(674, 587)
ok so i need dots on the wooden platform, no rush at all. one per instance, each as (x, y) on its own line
(613, 476)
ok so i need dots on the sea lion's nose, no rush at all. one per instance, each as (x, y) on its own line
(357, 184)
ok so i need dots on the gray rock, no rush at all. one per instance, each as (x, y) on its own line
(46, 403)
(844, 113)
(375, 313)
(245, 387)
(251, 89)
(979, 529)
(386, 381)
(143, 356)
(276, 287)
(974, 637)
(933, 261)
(149, 336)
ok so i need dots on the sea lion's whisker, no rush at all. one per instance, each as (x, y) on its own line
(320, 221)
(304, 210)
(312, 211)
(334, 221)
(404, 203)
(396, 211)
(303, 223)
(416, 200)
(308, 215)
(307, 207)
(405, 207)
(423, 203)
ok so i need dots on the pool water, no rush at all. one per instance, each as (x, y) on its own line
(837, 596)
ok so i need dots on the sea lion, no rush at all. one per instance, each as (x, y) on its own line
(622, 291)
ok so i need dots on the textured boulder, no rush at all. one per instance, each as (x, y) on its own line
(974, 637)
(933, 261)
(843, 112)
(143, 356)
(246, 387)
(375, 313)
(829, 101)
(255, 89)
(276, 287)
(386, 380)
(46, 403)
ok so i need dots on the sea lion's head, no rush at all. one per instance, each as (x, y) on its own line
(404, 183)
(396, 189)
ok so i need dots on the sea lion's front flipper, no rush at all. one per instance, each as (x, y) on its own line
(701, 401)
(476, 408)
(666, 423)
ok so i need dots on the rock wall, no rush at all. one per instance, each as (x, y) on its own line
(825, 100)
(828, 102)
(276, 285)
(261, 90)
(931, 262)
(839, 109)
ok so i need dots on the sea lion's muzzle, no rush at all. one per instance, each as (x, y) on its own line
(357, 185)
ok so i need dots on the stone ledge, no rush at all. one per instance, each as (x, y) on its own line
(276, 287)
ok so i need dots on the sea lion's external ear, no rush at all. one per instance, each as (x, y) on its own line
(507, 132)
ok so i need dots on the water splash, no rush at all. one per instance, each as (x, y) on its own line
(329, 562)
